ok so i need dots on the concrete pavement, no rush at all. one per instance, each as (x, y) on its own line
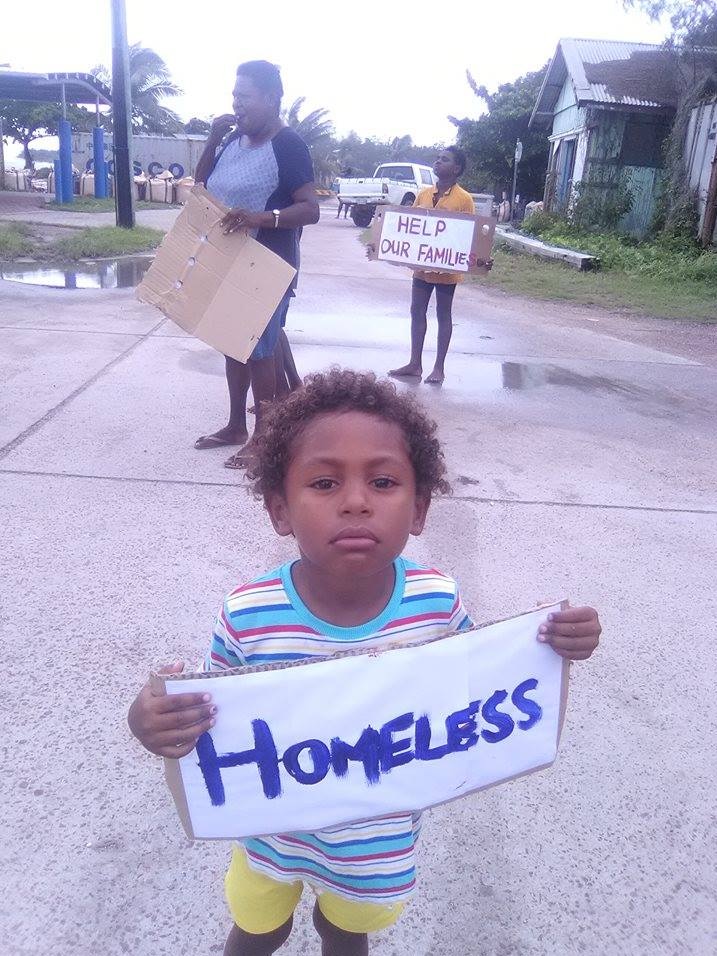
(581, 448)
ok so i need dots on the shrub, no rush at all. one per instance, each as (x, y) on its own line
(683, 217)
(599, 206)
(539, 222)
(669, 258)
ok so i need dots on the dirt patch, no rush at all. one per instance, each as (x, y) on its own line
(46, 233)
(12, 202)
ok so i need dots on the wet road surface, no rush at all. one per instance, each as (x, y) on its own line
(581, 447)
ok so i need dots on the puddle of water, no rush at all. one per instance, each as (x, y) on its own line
(124, 273)
(491, 376)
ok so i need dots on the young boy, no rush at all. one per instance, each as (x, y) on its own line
(348, 467)
(447, 194)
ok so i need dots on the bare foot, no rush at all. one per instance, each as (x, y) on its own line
(244, 458)
(436, 377)
(225, 436)
(407, 371)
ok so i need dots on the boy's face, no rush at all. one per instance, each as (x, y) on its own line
(350, 495)
(445, 166)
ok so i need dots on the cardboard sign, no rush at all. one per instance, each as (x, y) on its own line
(222, 289)
(304, 746)
(432, 240)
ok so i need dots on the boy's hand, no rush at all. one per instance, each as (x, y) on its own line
(573, 634)
(474, 261)
(170, 725)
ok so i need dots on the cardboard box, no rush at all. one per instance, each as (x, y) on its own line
(432, 240)
(222, 289)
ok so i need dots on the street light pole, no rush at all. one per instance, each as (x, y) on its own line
(121, 117)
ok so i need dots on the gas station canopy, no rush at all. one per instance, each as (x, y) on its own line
(78, 88)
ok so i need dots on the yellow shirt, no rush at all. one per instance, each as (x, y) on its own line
(454, 200)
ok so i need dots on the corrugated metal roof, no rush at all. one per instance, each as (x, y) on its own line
(47, 87)
(609, 72)
(616, 72)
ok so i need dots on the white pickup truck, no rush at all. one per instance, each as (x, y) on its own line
(393, 184)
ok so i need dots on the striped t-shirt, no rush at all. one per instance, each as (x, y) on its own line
(266, 622)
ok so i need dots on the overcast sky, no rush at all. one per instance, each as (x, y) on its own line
(382, 69)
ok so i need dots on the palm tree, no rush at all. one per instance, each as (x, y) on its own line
(313, 128)
(150, 83)
(316, 130)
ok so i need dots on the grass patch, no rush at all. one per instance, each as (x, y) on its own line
(21, 239)
(15, 240)
(670, 258)
(104, 241)
(611, 288)
(93, 204)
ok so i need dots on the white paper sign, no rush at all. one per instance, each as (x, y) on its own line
(439, 243)
(351, 738)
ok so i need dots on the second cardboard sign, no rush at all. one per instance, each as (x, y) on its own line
(432, 240)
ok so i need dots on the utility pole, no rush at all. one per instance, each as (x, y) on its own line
(516, 160)
(3, 66)
(2, 157)
(121, 117)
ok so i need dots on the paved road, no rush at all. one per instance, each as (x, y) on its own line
(582, 452)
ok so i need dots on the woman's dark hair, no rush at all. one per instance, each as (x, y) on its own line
(343, 390)
(459, 158)
(264, 75)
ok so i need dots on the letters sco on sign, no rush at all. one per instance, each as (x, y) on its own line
(153, 169)
(397, 742)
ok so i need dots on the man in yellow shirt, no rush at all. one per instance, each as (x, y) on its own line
(446, 195)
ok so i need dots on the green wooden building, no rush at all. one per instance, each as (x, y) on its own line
(608, 107)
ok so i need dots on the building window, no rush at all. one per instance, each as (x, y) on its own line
(643, 140)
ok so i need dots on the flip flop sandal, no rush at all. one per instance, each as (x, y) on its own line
(237, 461)
(212, 441)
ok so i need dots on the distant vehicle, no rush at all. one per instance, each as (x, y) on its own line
(393, 184)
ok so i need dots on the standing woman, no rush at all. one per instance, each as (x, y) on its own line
(262, 170)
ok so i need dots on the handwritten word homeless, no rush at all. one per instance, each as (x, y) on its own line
(378, 750)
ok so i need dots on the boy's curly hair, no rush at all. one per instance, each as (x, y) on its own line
(343, 390)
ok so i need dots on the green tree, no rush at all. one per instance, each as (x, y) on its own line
(150, 84)
(692, 22)
(489, 141)
(25, 121)
(400, 148)
(197, 126)
(362, 156)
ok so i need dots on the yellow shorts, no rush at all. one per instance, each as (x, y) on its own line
(259, 904)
